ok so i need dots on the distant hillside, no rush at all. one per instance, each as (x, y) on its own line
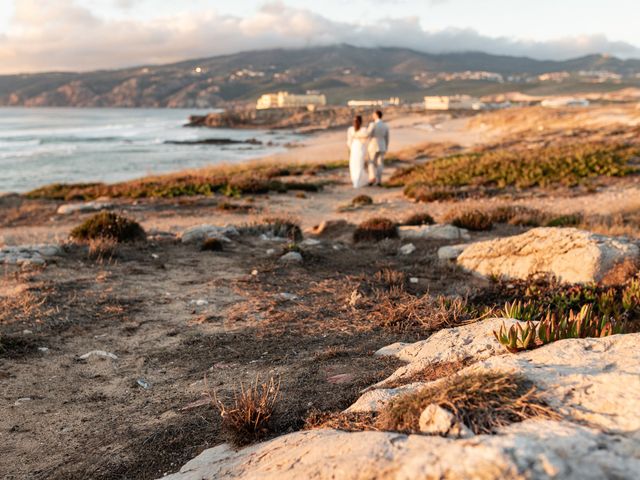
(342, 72)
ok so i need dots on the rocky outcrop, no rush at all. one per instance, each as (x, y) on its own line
(593, 383)
(29, 255)
(70, 208)
(567, 254)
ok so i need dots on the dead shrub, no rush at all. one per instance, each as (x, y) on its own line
(375, 229)
(211, 245)
(390, 277)
(102, 249)
(399, 311)
(361, 200)
(109, 225)
(431, 372)
(420, 218)
(275, 227)
(475, 220)
(247, 418)
(347, 422)
(482, 401)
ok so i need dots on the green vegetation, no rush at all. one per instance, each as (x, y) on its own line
(569, 165)
(230, 181)
(565, 221)
(108, 225)
(483, 402)
(601, 312)
(375, 229)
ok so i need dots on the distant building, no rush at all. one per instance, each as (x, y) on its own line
(290, 100)
(565, 102)
(455, 102)
(393, 101)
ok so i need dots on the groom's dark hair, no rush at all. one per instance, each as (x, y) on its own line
(379, 114)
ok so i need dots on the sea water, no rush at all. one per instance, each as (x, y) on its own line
(39, 146)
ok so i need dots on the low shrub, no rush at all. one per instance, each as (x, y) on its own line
(247, 418)
(361, 200)
(276, 227)
(484, 402)
(475, 220)
(571, 220)
(212, 245)
(108, 225)
(421, 218)
(375, 229)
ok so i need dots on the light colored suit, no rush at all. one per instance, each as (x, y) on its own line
(378, 133)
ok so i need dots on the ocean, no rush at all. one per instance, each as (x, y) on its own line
(39, 146)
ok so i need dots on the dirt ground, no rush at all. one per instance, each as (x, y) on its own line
(179, 322)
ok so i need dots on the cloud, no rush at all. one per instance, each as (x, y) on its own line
(62, 35)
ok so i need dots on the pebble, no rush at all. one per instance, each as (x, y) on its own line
(407, 249)
(99, 353)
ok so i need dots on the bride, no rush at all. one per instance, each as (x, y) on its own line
(357, 138)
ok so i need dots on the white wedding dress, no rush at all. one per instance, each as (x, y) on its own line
(357, 143)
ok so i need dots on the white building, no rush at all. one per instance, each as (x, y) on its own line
(290, 100)
(393, 101)
(455, 102)
(559, 102)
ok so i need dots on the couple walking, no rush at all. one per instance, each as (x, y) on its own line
(367, 145)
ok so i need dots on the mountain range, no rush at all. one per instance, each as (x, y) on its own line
(341, 72)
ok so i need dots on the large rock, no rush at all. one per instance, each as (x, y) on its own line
(593, 383)
(568, 254)
(433, 232)
(200, 233)
(95, 206)
(532, 449)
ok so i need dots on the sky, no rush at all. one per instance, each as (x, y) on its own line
(80, 35)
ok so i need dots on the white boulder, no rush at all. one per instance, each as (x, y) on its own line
(85, 207)
(433, 232)
(451, 252)
(291, 258)
(568, 254)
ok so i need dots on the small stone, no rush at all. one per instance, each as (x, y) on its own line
(22, 400)
(436, 420)
(43, 349)
(291, 258)
(451, 252)
(254, 272)
(98, 353)
(433, 232)
(287, 296)
(407, 249)
(414, 280)
(310, 242)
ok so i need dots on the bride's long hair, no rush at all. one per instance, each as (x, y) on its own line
(357, 122)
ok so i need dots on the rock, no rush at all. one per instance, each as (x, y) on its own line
(436, 420)
(407, 249)
(414, 280)
(22, 400)
(291, 258)
(286, 296)
(375, 400)
(433, 232)
(568, 254)
(29, 255)
(334, 229)
(95, 206)
(98, 353)
(201, 233)
(451, 252)
(531, 449)
(310, 242)
(471, 342)
(391, 350)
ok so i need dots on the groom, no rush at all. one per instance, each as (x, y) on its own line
(378, 133)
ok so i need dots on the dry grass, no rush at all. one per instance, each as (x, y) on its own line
(420, 218)
(347, 422)
(484, 402)
(375, 229)
(103, 249)
(22, 307)
(246, 419)
(398, 311)
(361, 200)
(475, 220)
(274, 226)
(430, 373)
